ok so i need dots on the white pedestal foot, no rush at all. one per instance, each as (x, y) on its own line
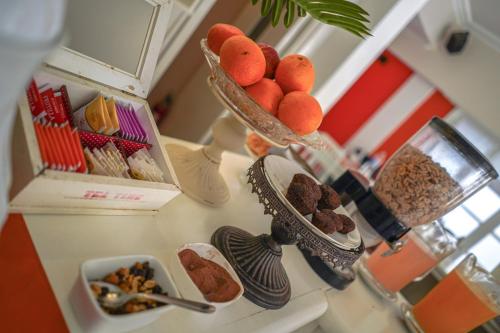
(198, 170)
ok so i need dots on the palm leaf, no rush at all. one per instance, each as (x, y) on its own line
(341, 13)
(266, 7)
(290, 14)
(277, 9)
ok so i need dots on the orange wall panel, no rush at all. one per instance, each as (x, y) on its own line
(365, 97)
(27, 303)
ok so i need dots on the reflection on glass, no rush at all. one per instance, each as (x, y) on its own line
(487, 250)
(484, 204)
(497, 231)
(459, 222)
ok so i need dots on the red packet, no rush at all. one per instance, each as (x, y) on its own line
(56, 149)
(60, 117)
(48, 102)
(71, 147)
(67, 104)
(53, 104)
(50, 153)
(35, 100)
(42, 143)
(64, 150)
(78, 146)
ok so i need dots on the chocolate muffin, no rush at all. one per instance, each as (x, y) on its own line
(338, 220)
(325, 221)
(348, 225)
(309, 182)
(329, 198)
(301, 197)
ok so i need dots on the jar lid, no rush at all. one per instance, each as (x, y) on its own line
(463, 146)
(380, 218)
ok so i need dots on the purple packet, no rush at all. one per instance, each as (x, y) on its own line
(135, 133)
(121, 122)
(139, 126)
(124, 126)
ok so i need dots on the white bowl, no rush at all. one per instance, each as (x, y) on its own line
(93, 318)
(187, 287)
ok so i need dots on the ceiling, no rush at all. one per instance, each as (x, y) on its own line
(482, 17)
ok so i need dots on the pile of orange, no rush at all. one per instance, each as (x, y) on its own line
(280, 86)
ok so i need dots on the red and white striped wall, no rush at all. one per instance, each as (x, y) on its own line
(384, 108)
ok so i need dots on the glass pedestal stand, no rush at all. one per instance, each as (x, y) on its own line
(198, 170)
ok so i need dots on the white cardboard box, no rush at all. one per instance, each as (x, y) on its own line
(40, 190)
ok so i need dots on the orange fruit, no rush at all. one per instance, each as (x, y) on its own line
(295, 72)
(272, 59)
(267, 94)
(219, 33)
(257, 145)
(300, 112)
(243, 60)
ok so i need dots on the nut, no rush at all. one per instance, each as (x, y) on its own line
(132, 280)
(112, 278)
(149, 284)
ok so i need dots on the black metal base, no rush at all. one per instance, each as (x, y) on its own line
(257, 261)
(337, 278)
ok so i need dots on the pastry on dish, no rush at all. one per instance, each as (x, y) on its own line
(302, 198)
(325, 221)
(348, 225)
(309, 182)
(329, 198)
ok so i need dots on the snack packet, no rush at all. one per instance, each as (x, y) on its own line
(144, 167)
(111, 107)
(92, 117)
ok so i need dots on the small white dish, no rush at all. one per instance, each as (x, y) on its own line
(279, 172)
(183, 281)
(89, 313)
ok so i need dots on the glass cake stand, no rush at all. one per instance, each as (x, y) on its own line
(198, 170)
(257, 259)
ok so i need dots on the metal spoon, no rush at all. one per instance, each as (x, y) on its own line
(117, 297)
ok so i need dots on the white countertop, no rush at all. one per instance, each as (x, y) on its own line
(358, 309)
(64, 241)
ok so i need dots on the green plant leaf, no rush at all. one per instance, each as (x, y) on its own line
(277, 9)
(340, 13)
(300, 11)
(328, 8)
(266, 7)
(290, 14)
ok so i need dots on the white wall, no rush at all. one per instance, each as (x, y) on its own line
(471, 80)
(389, 19)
